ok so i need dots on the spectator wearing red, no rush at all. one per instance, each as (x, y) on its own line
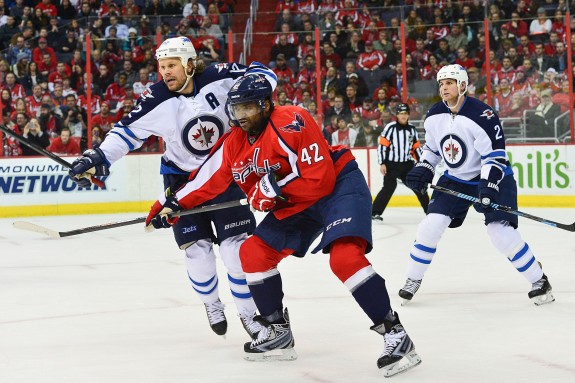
(282, 71)
(130, 95)
(307, 73)
(328, 52)
(47, 66)
(558, 24)
(41, 49)
(286, 4)
(129, 9)
(105, 119)
(420, 55)
(285, 30)
(307, 6)
(370, 59)
(16, 90)
(116, 90)
(503, 98)
(64, 144)
(347, 13)
(463, 58)
(34, 101)
(125, 109)
(11, 147)
(429, 72)
(306, 47)
(327, 6)
(517, 26)
(47, 8)
(526, 48)
(57, 77)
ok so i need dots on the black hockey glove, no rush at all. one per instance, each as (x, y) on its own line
(92, 163)
(488, 194)
(421, 175)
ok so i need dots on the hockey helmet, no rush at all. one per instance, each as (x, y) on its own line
(180, 47)
(455, 72)
(403, 108)
(249, 88)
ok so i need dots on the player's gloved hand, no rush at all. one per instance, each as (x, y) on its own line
(421, 175)
(263, 194)
(91, 163)
(158, 216)
(488, 194)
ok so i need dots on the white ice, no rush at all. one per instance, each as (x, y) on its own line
(116, 307)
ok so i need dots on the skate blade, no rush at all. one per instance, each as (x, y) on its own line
(279, 355)
(406, 363)
(405, 302)
(543, 299)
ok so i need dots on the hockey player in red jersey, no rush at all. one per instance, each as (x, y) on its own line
(279, 158)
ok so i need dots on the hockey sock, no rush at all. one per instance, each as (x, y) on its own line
(266, 289)
(347, 257)
(373, 298)
(429, 233)
(241, 293)
(201, 266)
(508, 241)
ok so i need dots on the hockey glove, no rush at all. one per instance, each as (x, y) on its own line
(488, 193)
(421, 175)
(158, 216)
(92, 163)
(263, 194)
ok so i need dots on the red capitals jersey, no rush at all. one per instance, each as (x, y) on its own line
(291, 146)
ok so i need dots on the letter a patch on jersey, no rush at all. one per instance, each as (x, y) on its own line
(296, 125)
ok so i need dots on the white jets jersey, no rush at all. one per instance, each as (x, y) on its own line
(471, 142)
(190, 125)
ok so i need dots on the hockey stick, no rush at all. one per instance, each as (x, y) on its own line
(45, 153)
(59, 234)
(507, 209)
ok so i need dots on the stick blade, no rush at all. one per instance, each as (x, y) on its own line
(22, 225)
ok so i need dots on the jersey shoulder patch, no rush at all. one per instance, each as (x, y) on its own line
(148, 100)
(219, 72)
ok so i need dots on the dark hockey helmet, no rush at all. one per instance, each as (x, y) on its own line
(249, 88)
(403, 108)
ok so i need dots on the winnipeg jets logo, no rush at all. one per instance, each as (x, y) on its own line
(453, 150)
(488, 113)
(296, 125)
(146, 94)
(201, 133)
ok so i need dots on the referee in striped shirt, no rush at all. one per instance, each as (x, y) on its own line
(398, 148)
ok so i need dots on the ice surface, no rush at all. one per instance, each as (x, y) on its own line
(116, 306)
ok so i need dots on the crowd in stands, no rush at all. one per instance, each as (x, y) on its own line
(43, 77)
(43, 63)
(361, 59)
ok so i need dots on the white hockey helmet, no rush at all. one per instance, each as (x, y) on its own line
(181, 47)
(455, 72)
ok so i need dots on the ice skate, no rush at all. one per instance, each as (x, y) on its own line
(251, 326)
(541, 292)
(274, 342)
(399, 353)
(216, 316)
(408, 291)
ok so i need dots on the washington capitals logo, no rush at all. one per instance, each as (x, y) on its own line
(487, 113)
(296, 125)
